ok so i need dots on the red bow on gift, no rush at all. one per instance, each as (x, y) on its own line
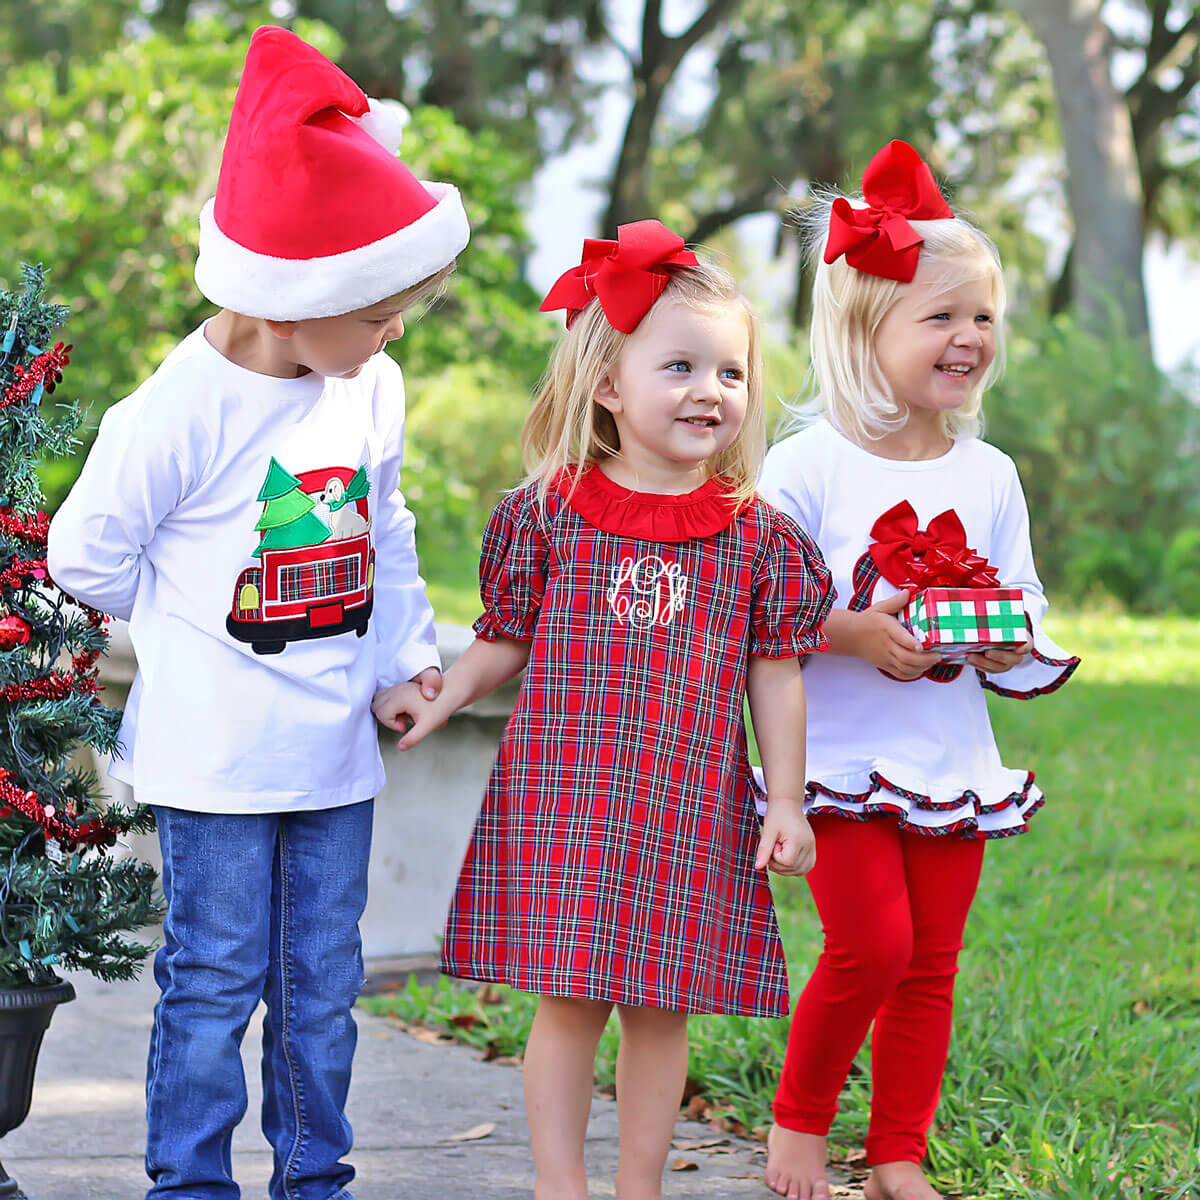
(898, 187)
(627, 275)
(914, 558)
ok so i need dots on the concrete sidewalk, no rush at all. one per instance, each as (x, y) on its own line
(83, 1138)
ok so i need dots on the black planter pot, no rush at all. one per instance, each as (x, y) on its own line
(24, 1016)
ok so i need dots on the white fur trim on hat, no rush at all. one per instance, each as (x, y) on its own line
(287, 289)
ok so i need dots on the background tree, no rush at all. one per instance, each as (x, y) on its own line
(65, 902)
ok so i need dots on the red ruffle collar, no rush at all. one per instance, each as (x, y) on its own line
(653, 516)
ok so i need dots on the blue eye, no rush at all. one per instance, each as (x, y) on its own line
(681, 364)
(734, 373)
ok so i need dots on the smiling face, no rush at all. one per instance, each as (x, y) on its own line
(678, 393)
(935, 345)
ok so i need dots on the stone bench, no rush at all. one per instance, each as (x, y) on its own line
(423, 817)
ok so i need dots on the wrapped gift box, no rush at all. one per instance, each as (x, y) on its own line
(957, 621)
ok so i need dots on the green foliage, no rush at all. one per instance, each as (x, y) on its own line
(1109, 455)
(106, 180)
(1075, 1062)
(64, 901)
(105, 173)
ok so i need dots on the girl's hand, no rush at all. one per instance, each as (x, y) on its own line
(786, 845)
(405, 709)
(886, 644)
(430, 682)
(994, 662)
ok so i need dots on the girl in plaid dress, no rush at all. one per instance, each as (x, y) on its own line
(905, 782)
(617, 858)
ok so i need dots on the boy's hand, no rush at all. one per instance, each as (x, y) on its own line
(886, 644)
(786, 845)
(995, 662)
(404, 709)
(430, 682)
(397, 706)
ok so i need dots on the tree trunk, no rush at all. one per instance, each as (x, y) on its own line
(1103, 183)
(655, 67)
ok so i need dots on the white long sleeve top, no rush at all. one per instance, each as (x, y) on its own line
(921, 750)
(250, 530)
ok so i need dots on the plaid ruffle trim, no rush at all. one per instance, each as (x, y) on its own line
(1064, 666)
(886, 799)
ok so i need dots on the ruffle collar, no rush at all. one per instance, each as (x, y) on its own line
(652, 516)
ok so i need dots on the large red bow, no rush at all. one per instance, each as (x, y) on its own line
(898, 187)
(910, 557)
(627, 275)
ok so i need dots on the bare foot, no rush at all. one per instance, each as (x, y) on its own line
(796, 1164)
(899, 1181)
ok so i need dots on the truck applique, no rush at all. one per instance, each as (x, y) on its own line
(314, 578)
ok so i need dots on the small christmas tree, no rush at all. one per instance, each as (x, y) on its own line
(65, 902)
(288, 520)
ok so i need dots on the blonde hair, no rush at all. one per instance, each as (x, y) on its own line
(847, 386)
(428, 290)
(568, 430)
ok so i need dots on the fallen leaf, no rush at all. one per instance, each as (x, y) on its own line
(474, 1133)
(465, 1020)
(683, 1164)
(704, 1144)
(430, 1038)
(698, 1108)
(489, 994)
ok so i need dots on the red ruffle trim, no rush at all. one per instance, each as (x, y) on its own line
(652, 516)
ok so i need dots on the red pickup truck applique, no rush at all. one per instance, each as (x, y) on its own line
(316, 571)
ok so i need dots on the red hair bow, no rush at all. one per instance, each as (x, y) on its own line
(898, 187)
(910, 557)
(627, 275)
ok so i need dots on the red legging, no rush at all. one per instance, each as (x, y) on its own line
(893, 906)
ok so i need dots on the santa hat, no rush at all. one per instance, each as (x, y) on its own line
(314, 214)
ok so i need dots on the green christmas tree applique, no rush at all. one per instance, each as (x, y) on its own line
(287, 520)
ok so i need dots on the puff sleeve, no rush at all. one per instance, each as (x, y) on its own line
(512, 569)
(793, 591)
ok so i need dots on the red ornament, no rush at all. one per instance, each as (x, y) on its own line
(14, 632)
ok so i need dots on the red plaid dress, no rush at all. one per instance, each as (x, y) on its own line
(613, 854)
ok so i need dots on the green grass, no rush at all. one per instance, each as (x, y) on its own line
(1075, 1066)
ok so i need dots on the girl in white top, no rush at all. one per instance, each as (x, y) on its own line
(905, 784)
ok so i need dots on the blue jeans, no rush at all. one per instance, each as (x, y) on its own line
(261, 907)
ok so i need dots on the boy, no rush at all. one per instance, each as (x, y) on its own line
(240, 510)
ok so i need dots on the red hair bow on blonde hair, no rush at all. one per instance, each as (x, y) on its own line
(626, 276)
(878, 240)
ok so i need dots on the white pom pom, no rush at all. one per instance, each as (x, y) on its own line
(385, 123)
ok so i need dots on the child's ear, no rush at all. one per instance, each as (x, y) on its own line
(606, 394)
(281, 329)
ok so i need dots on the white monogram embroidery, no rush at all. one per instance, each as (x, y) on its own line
(647, 591)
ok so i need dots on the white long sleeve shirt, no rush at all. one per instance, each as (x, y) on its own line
(920, 750)
(255, 670)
